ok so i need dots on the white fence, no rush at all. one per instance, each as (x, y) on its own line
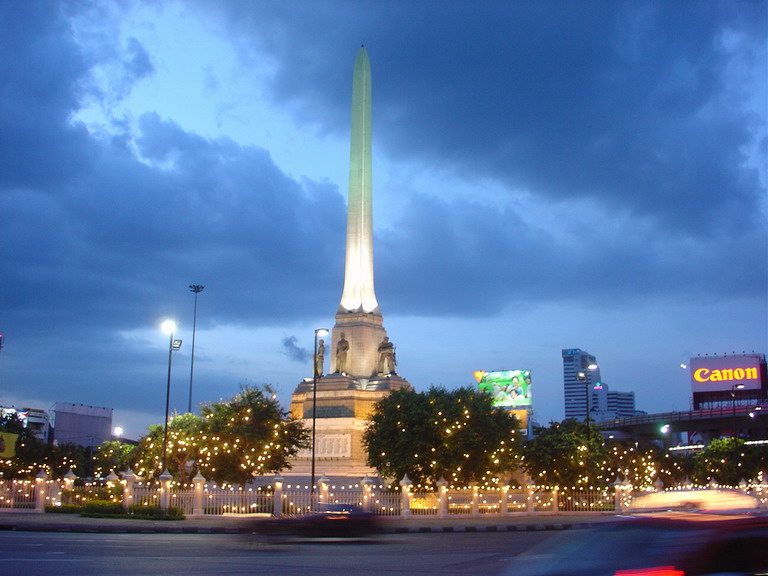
(206, 499)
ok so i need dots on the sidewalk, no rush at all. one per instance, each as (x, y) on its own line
(245, 524)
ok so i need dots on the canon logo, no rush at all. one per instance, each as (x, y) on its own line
(729, 374)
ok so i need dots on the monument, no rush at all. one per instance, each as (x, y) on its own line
(363, 360)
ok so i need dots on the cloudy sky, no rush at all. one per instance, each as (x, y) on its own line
(547, 175)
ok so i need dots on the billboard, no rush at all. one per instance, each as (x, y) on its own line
(724, 373)
(508, 388)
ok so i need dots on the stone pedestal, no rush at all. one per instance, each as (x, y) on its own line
(344, 405)
(364, 332)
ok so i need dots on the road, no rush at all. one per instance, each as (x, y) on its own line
(69, 554)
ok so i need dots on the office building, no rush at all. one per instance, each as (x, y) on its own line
(576, 388)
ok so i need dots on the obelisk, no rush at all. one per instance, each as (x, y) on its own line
(358, 294)
(358, 320)
(362, 359)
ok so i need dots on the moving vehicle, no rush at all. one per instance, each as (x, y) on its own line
(328, 521)
(658, 544)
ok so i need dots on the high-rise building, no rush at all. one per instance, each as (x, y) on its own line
(81, 425)
(577, 388)
(607, 404)
(622, 404)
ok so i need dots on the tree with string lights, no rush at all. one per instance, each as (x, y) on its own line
(247, 436)
(565, 454)
(456, 435)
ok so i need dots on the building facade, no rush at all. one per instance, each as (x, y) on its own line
(81, 425)
(576, 391)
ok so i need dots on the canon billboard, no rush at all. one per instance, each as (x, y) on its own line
(725, 373)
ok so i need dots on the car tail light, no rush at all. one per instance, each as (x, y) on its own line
(655, 571)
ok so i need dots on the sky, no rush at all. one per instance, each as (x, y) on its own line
(547, 175)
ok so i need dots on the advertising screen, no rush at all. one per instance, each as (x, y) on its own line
(508, 388)
(724, 373)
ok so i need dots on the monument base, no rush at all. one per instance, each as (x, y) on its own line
(344, 406)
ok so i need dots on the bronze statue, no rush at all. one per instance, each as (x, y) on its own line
(386, 363)
(319, 358)
(342, 350)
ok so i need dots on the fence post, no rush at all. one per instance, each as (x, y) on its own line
(442, 487)
(41, 483)
(68, 482)
(618, 492)
(112, 479)
(325, 486)
(165, 490)
(659, 485)
(405, 504)
(277, 507)
(129, 479)
(529, 503)
(367, 485)
(555, 500)
(475, 499)
(504, 500)
(197, 498)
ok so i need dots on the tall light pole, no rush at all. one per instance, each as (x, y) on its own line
(169, 327)
(196, 288)
(733, 408)
(318, 332)
(583, 375)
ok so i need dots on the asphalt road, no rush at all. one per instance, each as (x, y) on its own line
(69, 554)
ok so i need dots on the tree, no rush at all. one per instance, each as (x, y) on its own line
(30, 452)
(186, 436)
(565, 455)
(112, 456)
(457, 435)
(727, 461)
(248, 436)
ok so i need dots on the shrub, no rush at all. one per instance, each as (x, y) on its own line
(64, 509)
(102, 508)
(155, 512)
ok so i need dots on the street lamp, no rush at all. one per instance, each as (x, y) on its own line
(582, 375)
(733, 406)
(318, 332)
(733, 397)
(196, 288)
(169, 326)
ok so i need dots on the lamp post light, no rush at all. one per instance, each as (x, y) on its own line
(733, 407)
(318, 332)
(583, 375)
(733, 397)
(169, 327)
(196, 288)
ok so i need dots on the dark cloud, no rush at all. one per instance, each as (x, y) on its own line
(623, 141)
(295, 352)
(638, 105)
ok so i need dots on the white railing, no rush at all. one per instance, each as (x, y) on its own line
(207, 499)
(17, 494)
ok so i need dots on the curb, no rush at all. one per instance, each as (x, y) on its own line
(491, 528)
(101, 529)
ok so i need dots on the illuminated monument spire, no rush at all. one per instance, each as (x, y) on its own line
(359, 294)
(362, 359)
(359, 325)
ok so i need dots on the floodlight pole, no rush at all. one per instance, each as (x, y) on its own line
(167, 398)
(169, 326)
(323, 332)
(196, 288)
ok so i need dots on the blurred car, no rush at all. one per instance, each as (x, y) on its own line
(712, 500)
(328, 521)
(659, 544)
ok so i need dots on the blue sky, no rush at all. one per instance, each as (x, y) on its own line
(547, 175)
